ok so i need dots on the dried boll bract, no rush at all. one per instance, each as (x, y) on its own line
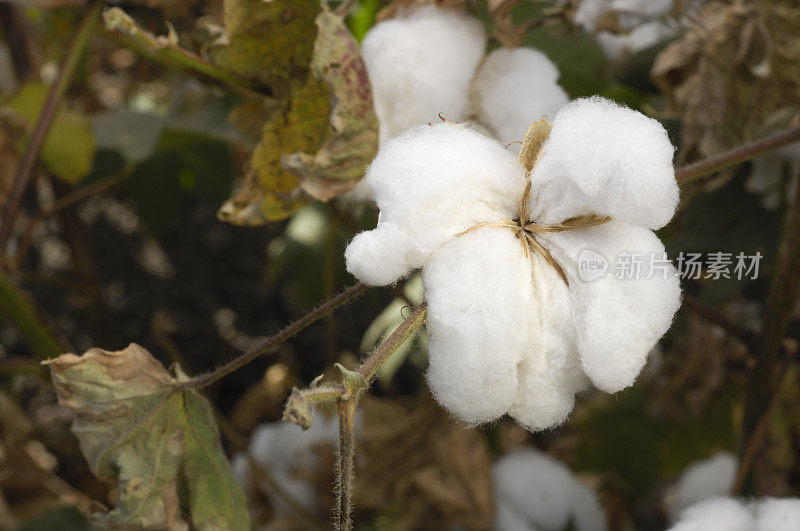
(765, 514)
(507, 334)
(535, 492)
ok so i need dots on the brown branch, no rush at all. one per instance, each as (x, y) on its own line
(715, 317)
(270, 343)
(783, 294)
(24, 171)
(734, 156)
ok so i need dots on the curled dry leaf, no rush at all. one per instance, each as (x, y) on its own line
(320, 131)
(436, 469)
(156, 440)
(735, 67)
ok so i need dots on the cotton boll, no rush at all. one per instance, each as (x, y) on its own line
(420, 65)
(240, 466)
(478, 292)
(717, 513)
(430, 184)
(646, 8)
(775, 514)
(534, 491)
(618, 320)
(703, 480)
(602, 158)
(550, 372)
(514, 88)
(616, 46)
(589, 13)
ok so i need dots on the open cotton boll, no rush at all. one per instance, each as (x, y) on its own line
(431, 183)
(617, 46)
(716, 513)
(589, 13)
(602, 158)
(535, 492)
(778, 514)
(621, 314)
(702, 480)
(645, 8)
(514, 88)
(420, 65)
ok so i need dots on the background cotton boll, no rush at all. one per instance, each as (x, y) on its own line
(589, 12)
(774, 514)
(647, 8)
(514, 88)
(420, 65)
(717, 513)
(618, 320)
(603, 158)
(431, 183)
(702, 480)
(478, 292)
(535, 489)
(616, 46)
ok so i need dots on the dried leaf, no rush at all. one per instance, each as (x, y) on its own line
(436, 469)
(735, 67)
(159, 442)
(321, 129)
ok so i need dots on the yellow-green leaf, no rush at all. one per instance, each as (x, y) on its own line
(157, 441)
(68, 150)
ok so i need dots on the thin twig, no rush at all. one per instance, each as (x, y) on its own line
(24, 171)
(75, 196)
(270, 343)
(732, 328)
(753, 443)
(734, 156)
(166, 50)
(345, 465)
(783, 294)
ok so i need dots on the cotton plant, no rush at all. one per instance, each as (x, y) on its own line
(516, 324)
(642, 24)
(765, 514)
(702, 480)
(534, 492)
(430, 62)
(289, 455)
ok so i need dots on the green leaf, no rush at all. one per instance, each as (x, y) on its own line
(159, 442)
(69, 148)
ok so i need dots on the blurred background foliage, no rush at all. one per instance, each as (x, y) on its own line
(143, 257)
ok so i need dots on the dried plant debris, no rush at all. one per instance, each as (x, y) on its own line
(319, 129)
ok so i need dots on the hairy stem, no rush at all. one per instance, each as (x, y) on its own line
(737, 155)
(270, 343)
(345, 464)
(167, 51)
(17, 307)
(369, 367)
(24, 171)
(784, 290)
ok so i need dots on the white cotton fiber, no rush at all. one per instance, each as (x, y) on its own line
(778, 514)
(507, 335)
(617, 46)
(287, 452)
(589, 13)
(644, 8)
(533, 491)
(717, 513)
(420, 64)
(603, 158)
(702, 480)
(619, 320)
(431, 183)
(514, 88)
(765, 514)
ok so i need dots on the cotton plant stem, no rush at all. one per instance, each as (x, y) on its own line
(694, 171)
(18, 308)
(715, 317)
(167, 51)
(24, 171)
(270, 343)
(345, 464)
(782, 297)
